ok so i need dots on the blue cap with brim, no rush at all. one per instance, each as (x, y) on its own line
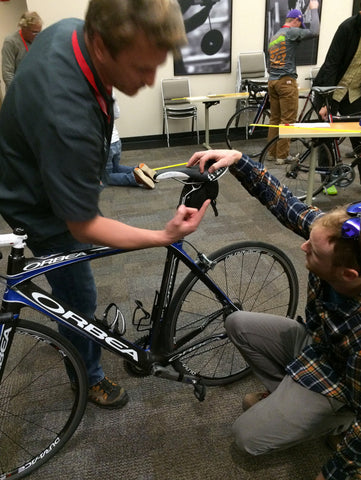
(296, 14)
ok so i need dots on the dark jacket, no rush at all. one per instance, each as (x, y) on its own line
(340, 53)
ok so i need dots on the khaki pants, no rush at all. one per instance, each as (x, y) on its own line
(283, 95)
(291, 414)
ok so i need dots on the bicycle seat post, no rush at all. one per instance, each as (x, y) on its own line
(16, 258)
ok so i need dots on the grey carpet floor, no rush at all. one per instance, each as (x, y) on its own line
(164, 433)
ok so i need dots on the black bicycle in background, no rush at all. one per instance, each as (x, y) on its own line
(330, 170)
(183, 337)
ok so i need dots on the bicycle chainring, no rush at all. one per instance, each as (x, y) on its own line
(343, 174)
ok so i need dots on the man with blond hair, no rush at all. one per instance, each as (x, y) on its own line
(17, 44)
(55, 129)
(310, 368)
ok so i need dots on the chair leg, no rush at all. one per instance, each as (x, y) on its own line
(166, 128)
(196, 121)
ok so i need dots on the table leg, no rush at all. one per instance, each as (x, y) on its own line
(207, 106)
(311, 174)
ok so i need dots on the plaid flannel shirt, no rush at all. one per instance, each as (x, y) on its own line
(331, 365)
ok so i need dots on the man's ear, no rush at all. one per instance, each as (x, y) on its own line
(349, 274)
(99, 48)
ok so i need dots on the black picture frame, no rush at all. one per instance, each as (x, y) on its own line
(209, 31)
(276, 11)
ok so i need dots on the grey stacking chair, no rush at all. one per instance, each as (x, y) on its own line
(180, 108)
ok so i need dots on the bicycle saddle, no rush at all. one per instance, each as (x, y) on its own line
(325, 90)
(191, 174)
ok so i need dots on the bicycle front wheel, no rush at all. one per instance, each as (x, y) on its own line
(39, 409)
(239, 127)
(255, 277)
(294, 174)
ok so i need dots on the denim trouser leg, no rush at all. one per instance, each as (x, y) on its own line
(75, 286)
(117, 174)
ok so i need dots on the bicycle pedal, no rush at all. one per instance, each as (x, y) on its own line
(116, 322)
(199, 391)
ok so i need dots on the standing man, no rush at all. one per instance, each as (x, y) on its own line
(341, 67)
(17, 44)
(310, 368)
(282, 83)
(55, 129)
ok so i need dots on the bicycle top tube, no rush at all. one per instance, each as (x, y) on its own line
(35, 266)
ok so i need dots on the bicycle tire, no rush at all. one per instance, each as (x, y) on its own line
(295, 174)
(238, 129)
(256, 277)
(39, 411)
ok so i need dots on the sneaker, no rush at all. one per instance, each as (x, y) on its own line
(330, 190)
(107, 394)
(143, 179)
(252, 398)
(149, 172)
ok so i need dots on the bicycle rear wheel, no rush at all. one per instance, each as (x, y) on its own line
(255, 277)
(238, 127)
(295, 174)
(39, 411)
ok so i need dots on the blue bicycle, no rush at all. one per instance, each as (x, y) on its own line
(183, 337)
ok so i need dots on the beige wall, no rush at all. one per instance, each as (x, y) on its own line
(142, 113)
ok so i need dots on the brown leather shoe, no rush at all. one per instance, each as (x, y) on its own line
(107, 394)
(252, 398)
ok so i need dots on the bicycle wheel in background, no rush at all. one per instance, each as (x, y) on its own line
(39, 411)
(295, 174)
(256, 277)
(238, 127)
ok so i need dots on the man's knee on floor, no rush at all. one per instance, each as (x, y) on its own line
(246, 443)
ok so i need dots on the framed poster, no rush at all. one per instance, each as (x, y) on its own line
(276, 11)
(208, 25)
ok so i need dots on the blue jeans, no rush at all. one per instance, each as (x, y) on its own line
(75, 286)
(117, 174)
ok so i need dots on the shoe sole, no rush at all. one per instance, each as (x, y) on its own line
(143, 179)
(148, 172)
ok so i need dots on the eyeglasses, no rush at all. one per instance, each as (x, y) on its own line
(351, 228)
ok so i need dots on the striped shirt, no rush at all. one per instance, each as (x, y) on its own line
(331, 365)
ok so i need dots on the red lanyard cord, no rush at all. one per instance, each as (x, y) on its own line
(89, 75)
(22, 38)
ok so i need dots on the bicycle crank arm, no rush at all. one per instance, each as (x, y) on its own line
(199, 388)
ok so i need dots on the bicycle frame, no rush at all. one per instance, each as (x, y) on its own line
(20, 291)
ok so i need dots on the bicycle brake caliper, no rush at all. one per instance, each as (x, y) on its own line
(204, 261)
